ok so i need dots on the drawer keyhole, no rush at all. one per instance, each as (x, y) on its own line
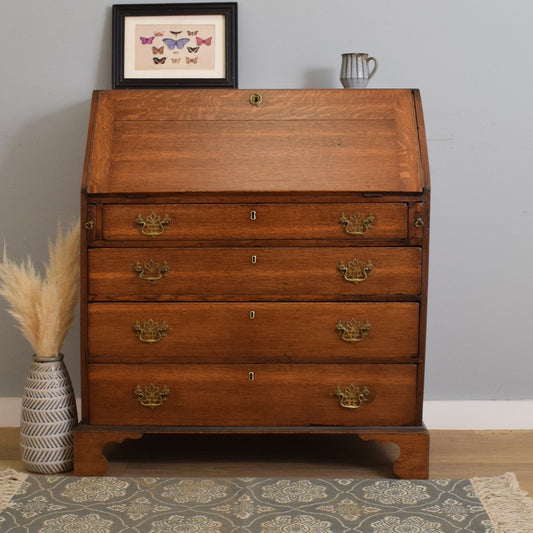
(256, 99)
(253, 215)
(251, 376)
(254, 259)
(252, 315)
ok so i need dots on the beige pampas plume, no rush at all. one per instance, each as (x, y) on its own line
(43, 306)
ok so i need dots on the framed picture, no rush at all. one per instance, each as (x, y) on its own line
(175, 45)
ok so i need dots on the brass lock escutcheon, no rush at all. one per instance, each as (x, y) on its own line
(357, 224)
(353, 331)
(154, 225)
(256, 99)
(150, 332)
(150, 271)
(151, 396)
(355, 271)
(351, 397)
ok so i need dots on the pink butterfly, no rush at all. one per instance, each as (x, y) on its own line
(200, 41)
(147, 40)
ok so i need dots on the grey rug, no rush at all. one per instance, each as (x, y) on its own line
(65, 504)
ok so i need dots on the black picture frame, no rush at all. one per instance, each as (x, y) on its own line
(217, 67)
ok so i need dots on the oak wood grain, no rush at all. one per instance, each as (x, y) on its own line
(218, 273)
(269, 221)
(254, 332)
(278, 395)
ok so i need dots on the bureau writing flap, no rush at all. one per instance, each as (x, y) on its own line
(172, 141)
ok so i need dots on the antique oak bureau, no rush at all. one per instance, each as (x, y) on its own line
(254, 262)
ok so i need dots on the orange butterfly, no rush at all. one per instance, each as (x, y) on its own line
(191, 60)
(176, 60)
(158, 50)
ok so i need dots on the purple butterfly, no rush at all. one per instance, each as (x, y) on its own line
(179, 44)
(147, 40)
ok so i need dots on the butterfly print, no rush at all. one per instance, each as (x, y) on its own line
(193, 49)
(158, 50)
(176, 32)
(207, 41)
(192, 60)
(179, 44)
(147, 40)
(176, 59)
(157, 60)
(158, 34)
(192, 32)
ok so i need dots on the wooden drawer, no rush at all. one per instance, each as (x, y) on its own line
(351, 222)
(260, 332)
(254, 273)
(252, 395)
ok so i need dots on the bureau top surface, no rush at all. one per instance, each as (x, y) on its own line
(196, 141)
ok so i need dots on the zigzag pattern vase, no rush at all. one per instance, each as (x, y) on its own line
(48, 417)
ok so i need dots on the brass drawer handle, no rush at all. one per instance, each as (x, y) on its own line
(353, 331)
(357, 224)
(152, 396)
(150, 271)
(355, 271)
(153, 225)
(150, 332)
(352, 397)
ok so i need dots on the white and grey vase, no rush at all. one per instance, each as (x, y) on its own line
(48, 417)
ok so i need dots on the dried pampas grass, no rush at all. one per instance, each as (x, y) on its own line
(44, 306)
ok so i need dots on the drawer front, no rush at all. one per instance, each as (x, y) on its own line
(260, 332)
(351, 222)
(252, 273)
(252, 395)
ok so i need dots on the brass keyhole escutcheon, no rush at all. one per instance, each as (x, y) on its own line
(251, 376)
(256, 99)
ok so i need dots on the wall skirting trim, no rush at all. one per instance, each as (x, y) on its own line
(442, 414)
(479, 414)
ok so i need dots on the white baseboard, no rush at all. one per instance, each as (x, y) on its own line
(482, 414)
(479, 414)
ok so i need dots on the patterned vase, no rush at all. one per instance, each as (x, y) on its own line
(48, 417)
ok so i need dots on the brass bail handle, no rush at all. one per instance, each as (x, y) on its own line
(151, 272)
(352, 397)
(154, 225)
(151, 396)
(150, 332)
(353, 331)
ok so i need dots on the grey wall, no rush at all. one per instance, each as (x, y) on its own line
(471, 60)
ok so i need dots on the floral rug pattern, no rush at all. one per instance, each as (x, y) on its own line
(63, 504)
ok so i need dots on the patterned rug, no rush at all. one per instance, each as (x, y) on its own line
(65, 504)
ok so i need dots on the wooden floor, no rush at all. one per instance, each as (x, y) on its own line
(454, 454)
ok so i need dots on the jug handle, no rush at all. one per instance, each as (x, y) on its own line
(375, 66)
